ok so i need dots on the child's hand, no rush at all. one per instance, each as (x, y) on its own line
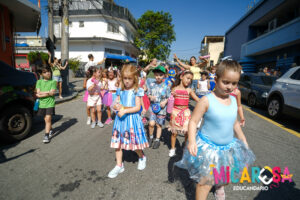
(246, 143)
(121, 113)
(192, 147)
(51, 93)
(242, 122)
(163, 104)
(117, 106)
(144, 112)
(152, 98)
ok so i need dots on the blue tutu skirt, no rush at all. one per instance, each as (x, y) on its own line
(209, 155)
(129, 133)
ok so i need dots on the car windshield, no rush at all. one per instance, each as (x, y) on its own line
(263, 80)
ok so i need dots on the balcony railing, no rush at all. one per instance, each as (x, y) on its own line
(285, 34)
(98, 8)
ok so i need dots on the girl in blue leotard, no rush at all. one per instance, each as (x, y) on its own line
(220, 141)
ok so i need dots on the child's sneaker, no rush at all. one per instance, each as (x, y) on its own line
(93, 125)
(108, 121)
(46, 138)
(100, 124)
(142, 163)
(156, 144)
(88, 121)
(172, 152)
(116, 171)
(51, 133)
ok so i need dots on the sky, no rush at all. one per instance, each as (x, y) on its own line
(192, 19)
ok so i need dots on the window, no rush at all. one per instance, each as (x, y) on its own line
(112, 28)
(81, 23)
(70, 24)
(113, 51)
(272, 24)
(126, 53)
(211, 63)
(296, 75)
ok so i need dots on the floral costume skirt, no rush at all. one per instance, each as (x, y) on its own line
(128, 133)
(180, 120)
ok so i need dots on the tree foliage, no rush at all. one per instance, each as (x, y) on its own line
(155, 34)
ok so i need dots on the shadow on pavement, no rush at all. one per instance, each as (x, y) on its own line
(286, 190)
(4, 159)
(67, 123)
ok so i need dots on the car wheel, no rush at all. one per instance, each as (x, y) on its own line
(251, 100)
(274, 108)
(15, 123)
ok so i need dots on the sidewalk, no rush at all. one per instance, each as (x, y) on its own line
(75, 85)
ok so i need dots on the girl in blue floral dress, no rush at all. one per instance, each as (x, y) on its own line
(128, 131)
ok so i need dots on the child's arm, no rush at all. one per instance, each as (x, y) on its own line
(208, 84)
(240, 108)
(193, 95)
(64, 67)
(133, 109)
(239, 133)
(84, 83)
(200, 109)
(198, 85)
(49, 59)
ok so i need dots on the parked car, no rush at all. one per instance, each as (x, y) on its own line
(255, 87)
(16, 102)
(284, 96)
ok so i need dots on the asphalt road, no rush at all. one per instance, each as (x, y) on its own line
(76, 162)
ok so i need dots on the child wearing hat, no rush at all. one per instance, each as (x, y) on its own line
(158, 93)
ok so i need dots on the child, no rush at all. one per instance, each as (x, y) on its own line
(145, 99)
(85, 97)
(203, 85)
(56, 67)
(215, 145)
(181, 113)
(237, 94)
(128, 131)
(94, 86)
(112, 85)
(158, 93)
(212, 76)
(45, 90)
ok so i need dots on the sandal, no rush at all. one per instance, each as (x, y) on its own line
(219, 193)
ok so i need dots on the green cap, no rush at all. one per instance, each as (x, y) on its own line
(160, 68)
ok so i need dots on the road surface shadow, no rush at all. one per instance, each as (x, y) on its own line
(4, 148)
(67, 123)
(286, 190)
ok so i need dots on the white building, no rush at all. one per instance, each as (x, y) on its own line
(98, 27)
(214, 46)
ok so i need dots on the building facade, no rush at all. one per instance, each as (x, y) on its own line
(213, 46)
(267, 35)
(98, 27)
(16, 16)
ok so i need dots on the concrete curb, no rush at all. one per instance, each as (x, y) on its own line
(73, 95)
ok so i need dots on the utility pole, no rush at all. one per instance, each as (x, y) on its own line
(65, 46)
(50, 19)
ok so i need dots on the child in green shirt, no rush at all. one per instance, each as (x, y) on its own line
(45, 90)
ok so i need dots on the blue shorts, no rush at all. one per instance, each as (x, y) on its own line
(57, 78)
(194, 84)
(159, 119)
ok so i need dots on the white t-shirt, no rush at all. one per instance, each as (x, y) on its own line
(88, 64)
(96, 89)
(203, 86)
(112, 84)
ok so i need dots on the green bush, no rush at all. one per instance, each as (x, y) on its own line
(32, 56)
(74, 64)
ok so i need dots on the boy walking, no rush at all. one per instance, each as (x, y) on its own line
(158, 93)
(45, 90)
